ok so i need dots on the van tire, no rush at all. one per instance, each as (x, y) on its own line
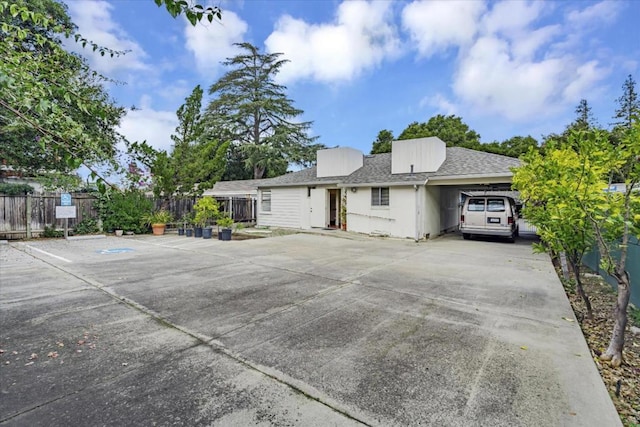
(512, 239)
(466, 236)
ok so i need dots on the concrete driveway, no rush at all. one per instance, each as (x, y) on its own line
(297, 330)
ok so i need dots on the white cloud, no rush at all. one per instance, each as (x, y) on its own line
(180, 89)
(584, 78)
(441, 103)
(435, 26)
(147, 124)
(361, 37)
(211, 43)
(490, 80)
(511, 17)
(508, 64)
(587, 18)
(95, 23)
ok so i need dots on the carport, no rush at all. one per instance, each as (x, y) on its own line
(452, 197)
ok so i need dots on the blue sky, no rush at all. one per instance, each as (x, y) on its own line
(507, 68)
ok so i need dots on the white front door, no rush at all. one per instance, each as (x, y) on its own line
(318, 208)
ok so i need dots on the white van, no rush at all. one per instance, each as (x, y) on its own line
(489, 216)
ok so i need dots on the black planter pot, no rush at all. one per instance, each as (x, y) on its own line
(226, 234)
(206, 233)
(198, 232)
(219, 234)
(180, 231)
(189, 232)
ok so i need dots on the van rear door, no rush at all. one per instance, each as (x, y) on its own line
(475, 214)
(496, 214)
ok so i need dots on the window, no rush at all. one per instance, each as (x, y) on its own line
(380, 196)
(495, 205)
(476, 205)
(265, 201)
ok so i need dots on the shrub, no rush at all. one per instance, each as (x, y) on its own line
(124, 211)
(15, 189)
(206, 211)
(86, 226)
(51, 232)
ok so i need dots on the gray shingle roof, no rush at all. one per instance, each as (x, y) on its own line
(460, 162)
(243, 186)
(463, 161)
(377, 169)
(302, 177)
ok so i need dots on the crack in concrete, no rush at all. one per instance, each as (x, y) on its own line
(295, 385)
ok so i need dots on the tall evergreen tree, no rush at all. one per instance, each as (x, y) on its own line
(628, 104)
(254, 113)
(584, 117)
(197, 160)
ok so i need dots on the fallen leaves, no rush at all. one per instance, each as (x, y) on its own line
(52, 354)
(623, 383)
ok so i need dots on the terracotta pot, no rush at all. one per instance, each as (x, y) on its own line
(158, 229)
(343, 226)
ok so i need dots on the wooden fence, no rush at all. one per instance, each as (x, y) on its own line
(177, 207)
(26, 216)
(241, 209)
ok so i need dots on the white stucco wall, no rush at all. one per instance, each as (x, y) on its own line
(287, 208)
(425, 154)
(431, 218)
(340, 161)
(397, 220)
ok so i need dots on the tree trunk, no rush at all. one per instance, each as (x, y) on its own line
(580, 289)
(258, 172)
(614, 351)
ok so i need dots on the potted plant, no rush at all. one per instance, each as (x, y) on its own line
(343, 212)
(206, 211)
(158, 220)
(182, 226)
(226, 222)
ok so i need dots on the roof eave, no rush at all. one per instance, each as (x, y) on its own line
(299, 184)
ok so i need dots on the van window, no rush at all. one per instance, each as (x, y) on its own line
(476, 205)
(495, 205)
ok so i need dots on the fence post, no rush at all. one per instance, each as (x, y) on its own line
(28, 215)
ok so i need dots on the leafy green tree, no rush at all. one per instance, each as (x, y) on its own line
(516, 146)
(383, 141)
(545, 182)
(197, 160)
(193, 12)
(577, 172)
(451, 129)
(54, 110)
(253, 112)
(235, 168)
